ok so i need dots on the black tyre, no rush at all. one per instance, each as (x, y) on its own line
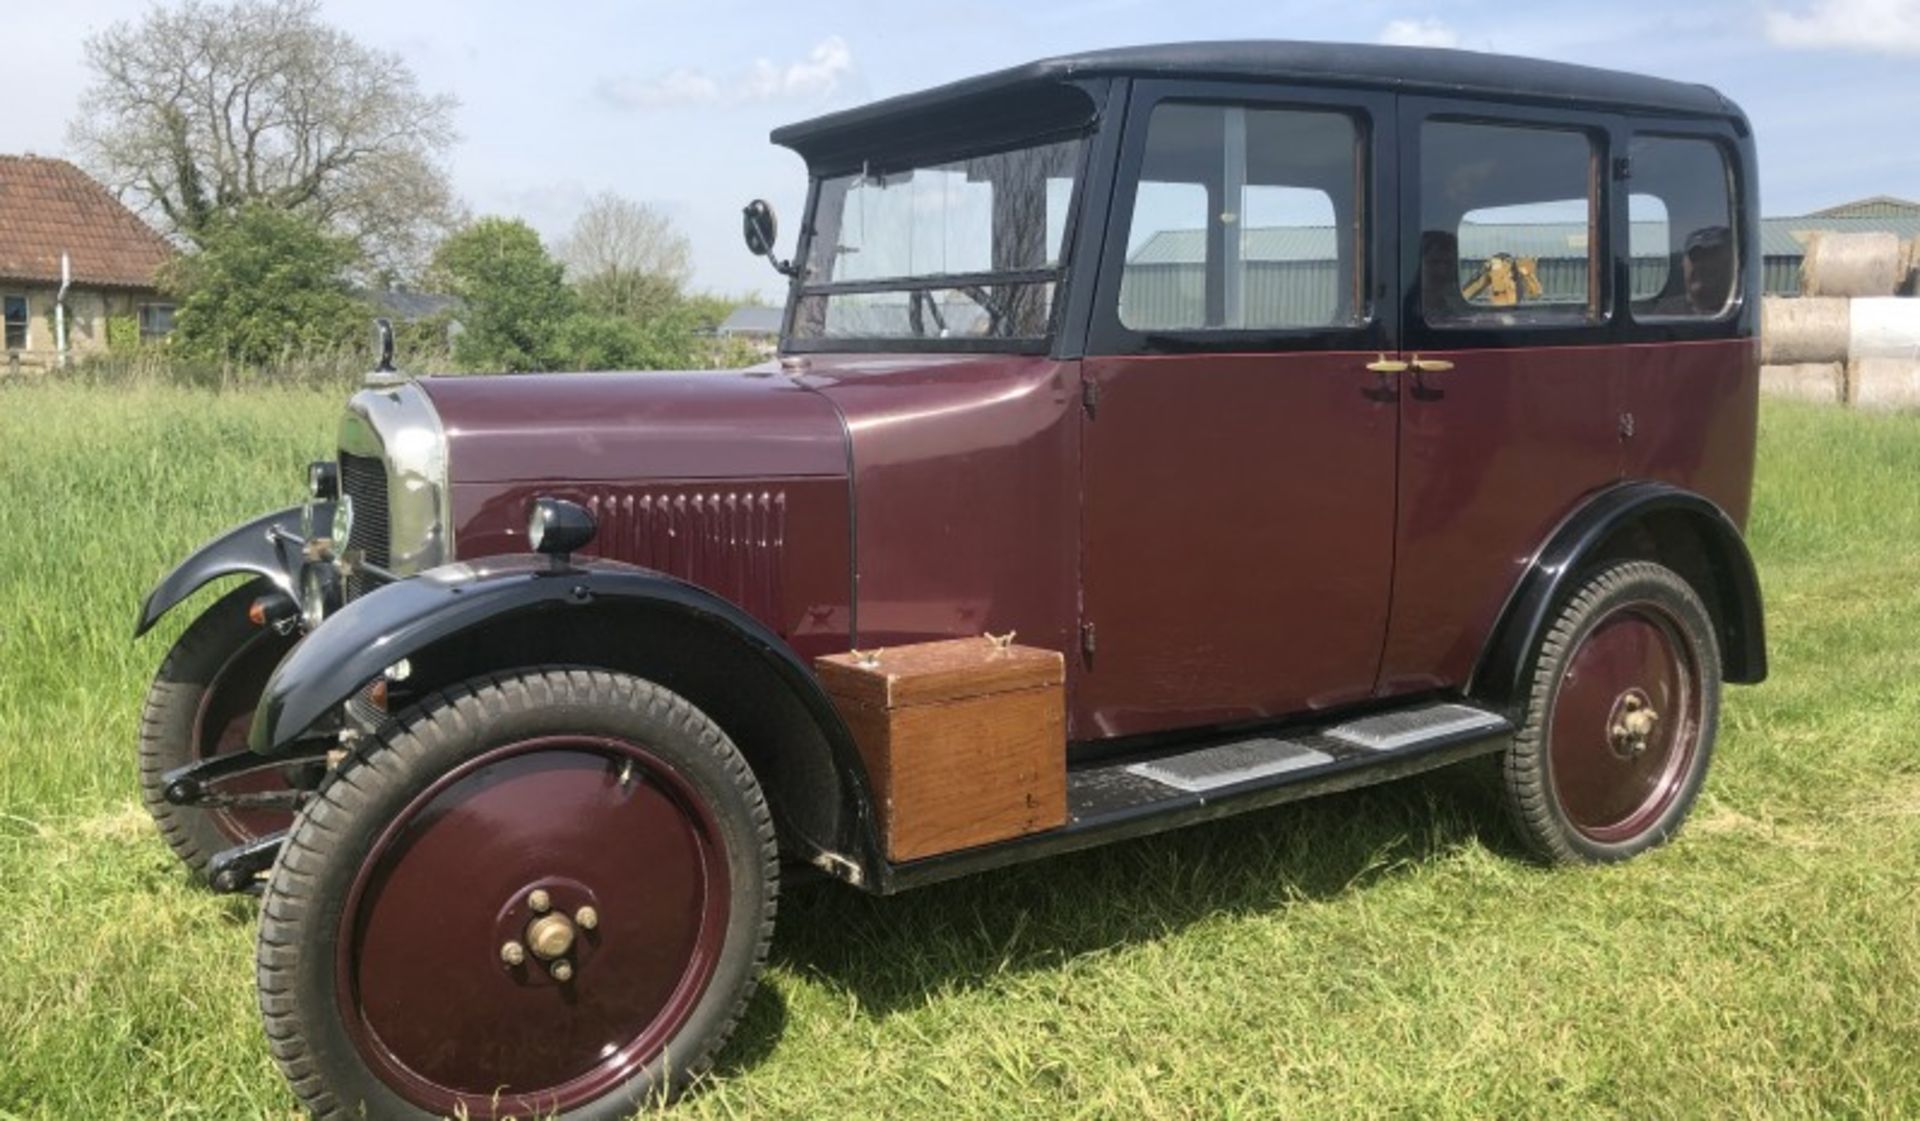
(1620, 718)
(548, 894)
(200, 706)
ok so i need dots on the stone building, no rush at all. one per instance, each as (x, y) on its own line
(50, 208)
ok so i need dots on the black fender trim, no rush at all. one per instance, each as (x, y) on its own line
(268, 546)
(410, 617)
(1500, 673)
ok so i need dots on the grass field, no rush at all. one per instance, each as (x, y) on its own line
(1385, 952)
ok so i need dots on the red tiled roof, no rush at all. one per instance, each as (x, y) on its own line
(49, 206)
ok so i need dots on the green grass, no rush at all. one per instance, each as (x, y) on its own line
(1384, 952)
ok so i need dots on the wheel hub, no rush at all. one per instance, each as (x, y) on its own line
(1631, 725)
(538, 928)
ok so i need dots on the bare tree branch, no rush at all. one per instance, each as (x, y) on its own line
(201, 108)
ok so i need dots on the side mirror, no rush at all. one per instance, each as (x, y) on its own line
(761, 229)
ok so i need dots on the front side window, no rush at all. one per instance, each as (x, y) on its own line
(1681, 233)
(1245, 219)
(1509, 217)
(969, 248)
(15, 308)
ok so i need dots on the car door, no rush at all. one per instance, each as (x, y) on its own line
(1239, 436)
(1508, 415)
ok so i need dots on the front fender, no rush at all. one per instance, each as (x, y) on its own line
(402, 619)
(267, 546)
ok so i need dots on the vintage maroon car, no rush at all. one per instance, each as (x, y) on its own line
(1314, 414)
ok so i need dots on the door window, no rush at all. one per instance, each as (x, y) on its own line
(1681, 230)
(1508, 226)
(1245, 219)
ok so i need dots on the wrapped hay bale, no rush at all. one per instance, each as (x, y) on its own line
(1885, 383)
(1869, 264)
(1884, 328)
(1796, 330)
(1823, 383)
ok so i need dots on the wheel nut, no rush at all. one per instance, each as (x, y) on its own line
(587, 918)
(562, 971)
(513, 953)
(539, 900)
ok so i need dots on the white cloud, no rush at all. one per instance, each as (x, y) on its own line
(1883, 26)
(811, 78)
(1427, 32)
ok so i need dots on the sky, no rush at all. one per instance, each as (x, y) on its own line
(670, 101)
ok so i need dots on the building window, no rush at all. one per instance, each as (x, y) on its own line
(1509, 217)
(1245, 218)
(1681, 233)
(16, 320)
(156, 321)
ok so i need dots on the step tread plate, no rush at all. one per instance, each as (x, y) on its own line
(1230, 763)
(1392, 731)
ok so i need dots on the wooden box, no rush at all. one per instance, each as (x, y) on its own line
(964, 741)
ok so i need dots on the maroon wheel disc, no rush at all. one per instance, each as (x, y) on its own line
(220, 728)
(1625, 725)
(590, 855)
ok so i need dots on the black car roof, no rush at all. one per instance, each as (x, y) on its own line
(1410, 69)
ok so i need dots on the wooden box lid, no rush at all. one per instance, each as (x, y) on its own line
(929, 672)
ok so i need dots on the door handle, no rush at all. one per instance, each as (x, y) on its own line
(1431, 365)
(1385, 365)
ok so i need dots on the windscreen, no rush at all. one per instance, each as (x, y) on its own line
(968, 248)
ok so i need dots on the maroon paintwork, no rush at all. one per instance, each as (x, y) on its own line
(1250, 535)
(1609, 794)
(1239, 537)
(653, 426)
(418, 960)
(733, 481)
(1499, 450)
(966, 493)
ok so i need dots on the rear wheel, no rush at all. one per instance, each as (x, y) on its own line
(200, 707)
(1620, 719)
(544, 894)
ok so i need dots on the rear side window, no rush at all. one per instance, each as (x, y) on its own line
(1245, 219)
(1685, 264)
(1508, 221)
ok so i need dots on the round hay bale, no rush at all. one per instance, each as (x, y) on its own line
(1824, 383)
(1868, 264)
(1885, 383)
(1888, 327)
(1795, 330)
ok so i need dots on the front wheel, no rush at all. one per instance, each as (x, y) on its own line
(1619, 723)
(198, 708)
(546, 894)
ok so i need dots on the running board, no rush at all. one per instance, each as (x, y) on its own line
(1114, 799)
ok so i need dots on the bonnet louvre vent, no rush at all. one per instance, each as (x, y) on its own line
(728, 542)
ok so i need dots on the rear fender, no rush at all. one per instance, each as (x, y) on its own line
(267, 546)
(1647, 520)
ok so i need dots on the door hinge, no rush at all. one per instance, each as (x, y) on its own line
(1086, 641)
(1090, 396)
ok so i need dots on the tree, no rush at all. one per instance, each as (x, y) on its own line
(268, 284)
(626, 259)
(515, 295)
(200, 110)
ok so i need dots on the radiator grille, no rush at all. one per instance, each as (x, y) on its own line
(364, 480)
(729, 542)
